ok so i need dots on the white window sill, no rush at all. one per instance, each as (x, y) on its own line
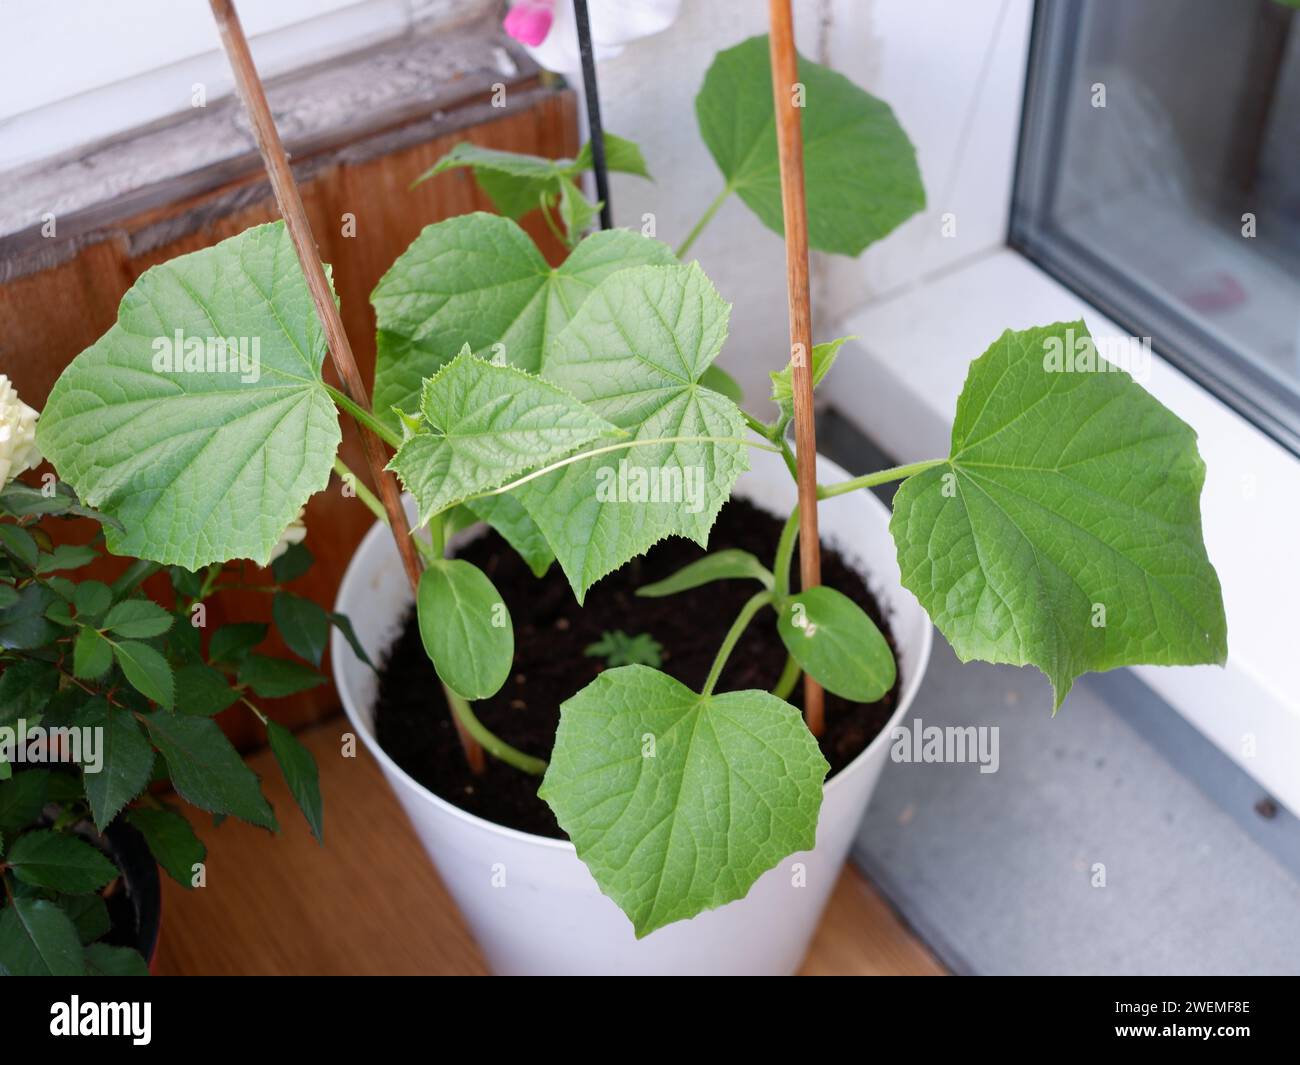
(910, 363)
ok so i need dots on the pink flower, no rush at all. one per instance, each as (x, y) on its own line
(530, 21)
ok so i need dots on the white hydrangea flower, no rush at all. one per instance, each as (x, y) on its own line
(294, 533)
(17, 434)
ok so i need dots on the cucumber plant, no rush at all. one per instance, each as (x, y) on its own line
(537, 398)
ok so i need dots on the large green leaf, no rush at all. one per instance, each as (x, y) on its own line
(206, 770)
(1064, 531)
(478, 279)
(127, 761)
(60, 861)
(38, 939)
(859, 167)
(837, 644)
(466, 628)
(200, 466)
(634, 353)
(676, 801)
(485, 424)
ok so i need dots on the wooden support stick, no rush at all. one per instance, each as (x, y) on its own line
(789, 141)
(287, 199)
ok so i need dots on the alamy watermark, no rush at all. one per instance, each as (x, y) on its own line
(1087, 354)
(35, 744)
(626, 483)
(950, 744)
(178, 354)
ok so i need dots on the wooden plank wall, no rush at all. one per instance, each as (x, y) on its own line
(47, 318)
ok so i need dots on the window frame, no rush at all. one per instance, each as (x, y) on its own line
(1138, 307)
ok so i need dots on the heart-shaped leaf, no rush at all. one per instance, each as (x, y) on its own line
(677, 801)
(200, 419)
(485, 424)
(634, 353)
(1064, 531)
(859, 167)
(478, 279)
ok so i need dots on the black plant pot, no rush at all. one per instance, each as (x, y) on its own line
(137, 913)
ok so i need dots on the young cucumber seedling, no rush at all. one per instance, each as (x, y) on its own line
(508, 388)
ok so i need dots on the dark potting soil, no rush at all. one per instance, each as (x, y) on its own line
(413, 723)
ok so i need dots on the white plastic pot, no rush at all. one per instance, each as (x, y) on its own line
(531, 904)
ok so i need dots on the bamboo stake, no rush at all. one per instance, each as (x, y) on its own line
(789, 140)
(276, 159)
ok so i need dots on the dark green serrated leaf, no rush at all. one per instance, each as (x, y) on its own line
(291, 565)
(22, 797)
(300, 773)
(18, 544)
(92, 655)
(91, 599)
(206, 770)
(88, 914)
(146, 671)
(172, 842)
(274, 678)
(59, 861)
(231, 643)
(304, 626)
(104, 959)
(26, 687)
(23, 625)
(126, 761)
(202, 690)
(38, 939)
(137, 619)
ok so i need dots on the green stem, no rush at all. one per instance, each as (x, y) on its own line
(746, 615)
(437, 536)
(788, 456)
(705, 219)
(550, 222)
(767, 432)
(784, 554)
(870, 480)
(788, 679)
(489, 741)
(365, 417)
(363, 493)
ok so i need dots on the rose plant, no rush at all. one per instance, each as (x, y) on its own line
(105, 692)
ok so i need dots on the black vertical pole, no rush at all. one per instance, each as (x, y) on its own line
(593, 112)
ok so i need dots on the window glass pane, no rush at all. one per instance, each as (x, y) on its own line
(1167, 181)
